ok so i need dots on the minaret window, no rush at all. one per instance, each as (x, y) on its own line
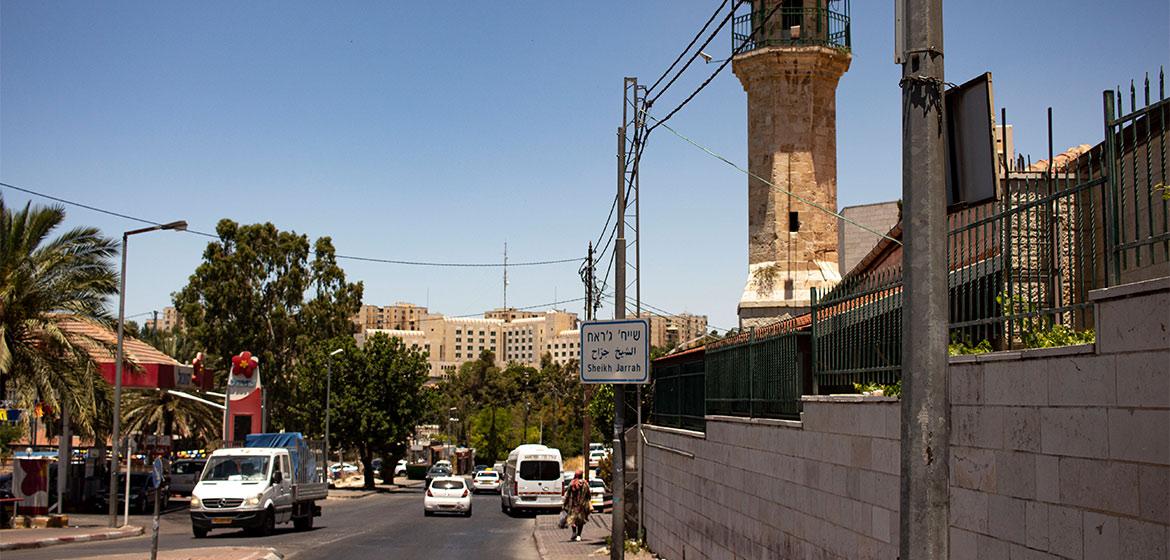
(793, 222)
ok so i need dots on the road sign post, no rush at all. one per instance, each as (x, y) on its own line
(156, 479)
(616, 352)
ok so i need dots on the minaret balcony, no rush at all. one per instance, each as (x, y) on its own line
(823, 23)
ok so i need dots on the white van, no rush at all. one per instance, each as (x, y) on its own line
(532, 479)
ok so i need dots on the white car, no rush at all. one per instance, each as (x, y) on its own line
(447, 494)
(486, 481)
(400, 468)
(595, 458)
(597, 494)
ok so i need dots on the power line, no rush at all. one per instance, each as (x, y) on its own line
(689, 45)
(348, 257)
(730, 14)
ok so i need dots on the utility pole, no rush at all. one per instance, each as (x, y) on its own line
(925, 505)
(587, 425)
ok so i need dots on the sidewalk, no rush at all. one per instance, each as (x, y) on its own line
(16, 539)
(553, 543)
(213, 553)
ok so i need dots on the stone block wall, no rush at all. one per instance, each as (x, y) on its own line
(826, 487)
(1055, 454)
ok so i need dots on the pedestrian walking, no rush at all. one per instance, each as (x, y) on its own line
(576, 507)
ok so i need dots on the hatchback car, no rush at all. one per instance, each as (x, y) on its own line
(486, 481)
(597, 494)
(436, 472)
(448, 494)
(184, 474)
(595, 458)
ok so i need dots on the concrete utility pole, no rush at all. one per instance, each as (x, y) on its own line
(587, 424)
(925, 502)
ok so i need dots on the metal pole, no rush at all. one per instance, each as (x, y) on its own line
(925, 424)
(328, 389)
(116, 434)
(587, 424)
(618, 525)
(64, 454)
(126, 496)
(227, 406)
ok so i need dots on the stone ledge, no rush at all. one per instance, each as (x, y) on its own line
(1131, 289)
(1030, 354)
(757, 421)
(848, 399)
(675, 431)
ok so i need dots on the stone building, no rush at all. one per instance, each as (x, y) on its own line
(168, 321)
(400, 316)
(670, 331)
(789, 66)
(452, 341)
(854, 243)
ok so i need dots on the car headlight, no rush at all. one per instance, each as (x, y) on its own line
(254, 500)
(196, 502)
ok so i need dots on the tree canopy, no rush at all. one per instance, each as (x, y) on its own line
(377, 395)
(45, 282)
(266, 291)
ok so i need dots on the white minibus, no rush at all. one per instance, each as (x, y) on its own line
(531, 479)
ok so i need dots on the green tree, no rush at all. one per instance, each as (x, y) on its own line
(249, 293)
(601, 411)
(377, 396)
(43, 283)
(158, 412)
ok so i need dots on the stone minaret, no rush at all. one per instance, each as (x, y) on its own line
(789, 66)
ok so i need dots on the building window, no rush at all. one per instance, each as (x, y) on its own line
(793, 222)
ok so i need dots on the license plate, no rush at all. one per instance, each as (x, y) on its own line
(221, 520)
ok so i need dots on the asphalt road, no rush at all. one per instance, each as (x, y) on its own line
(378, 526)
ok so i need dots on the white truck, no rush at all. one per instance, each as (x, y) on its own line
(272, 479)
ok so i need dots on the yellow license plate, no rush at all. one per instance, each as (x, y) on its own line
(221, 520)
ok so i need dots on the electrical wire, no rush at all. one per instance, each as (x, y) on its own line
(730, 14)
(339, 256)
(689, 45)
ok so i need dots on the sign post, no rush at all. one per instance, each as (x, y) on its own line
(156, 479)
(616, 352)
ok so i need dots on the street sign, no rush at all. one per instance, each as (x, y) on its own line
(156, 473)
(615, 351)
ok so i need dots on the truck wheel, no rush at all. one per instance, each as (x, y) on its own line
(303, 523)
(199, 532)
(268, 525)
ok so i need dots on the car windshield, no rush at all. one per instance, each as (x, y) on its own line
(187, 467)
(597, 484)
(540, 470)
(236, 468)
(447, 484)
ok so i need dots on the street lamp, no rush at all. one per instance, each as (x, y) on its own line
(116, 433)
(328, 387)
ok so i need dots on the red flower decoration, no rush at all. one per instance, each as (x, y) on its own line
(35, 480)
(245, 364)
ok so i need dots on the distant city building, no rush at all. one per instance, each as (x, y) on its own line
(513, 336)
(670, 331)
(400, 316)
(168, 321)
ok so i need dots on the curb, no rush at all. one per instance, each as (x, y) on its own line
(128, 531)
(273, 555)
(350, 495)
(541, 550)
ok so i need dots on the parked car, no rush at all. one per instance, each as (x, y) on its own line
(598, 494)
(400, 468)
(443, 463)
(479, 468)
(437, 471)
(141, 493)
(447, 494)
(486, 481)
(185, 475)
(595, 458)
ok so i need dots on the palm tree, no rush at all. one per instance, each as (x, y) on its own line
(44, 282)
(159, 412)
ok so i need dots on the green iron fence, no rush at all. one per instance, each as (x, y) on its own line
(857, 331)
(779, 25)
(761, 373)
(1135, 148)
(679, 385)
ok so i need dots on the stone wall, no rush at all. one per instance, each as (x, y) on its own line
(1055, 453)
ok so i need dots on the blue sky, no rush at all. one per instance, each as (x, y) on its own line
(440, 130)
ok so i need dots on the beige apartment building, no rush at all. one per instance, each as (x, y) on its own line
(513, 336)
(670, 331)
(400, 316)
(168, 321)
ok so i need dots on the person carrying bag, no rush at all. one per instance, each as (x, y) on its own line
(576, 508)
